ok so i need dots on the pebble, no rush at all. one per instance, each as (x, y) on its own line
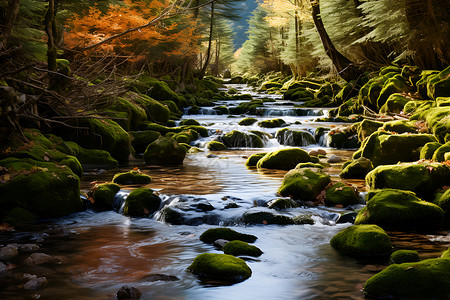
(35, 283)
(313, 153)
(127, 292)
(8, 252)
(322, 152)
(41, 258)
(334, 159)
(220, 243)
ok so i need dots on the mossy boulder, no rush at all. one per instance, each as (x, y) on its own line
(90, 158)
(252, 161)
(362, 241)
(395, 84)
(357, 169)
(397, 209)
(164, 150)
(214, 234)
(427, 279)
(247, 121)
(141, 202)
(446, 254)
(189, 122)
(141, 139)
(309, 165)
(136, 114)
(437, 120)
(103, 196)
(438, 85)
(272, 123)
(238, 248)
(384, 148)
(341, 194)
(423, 179)
(216, 146)
(444, 202)
(439, 154)
(428, 150)
(240, 139)
(282, 203)
(404, 256)
(283, 159)
(395, 103)
(289, 137)
(18, 216)
(367, 127)
(131, 177)
(400, 126)
(43, 188)
(220, 266)
(343, 138)
(304, 184)
(417, 106)
(263, 216)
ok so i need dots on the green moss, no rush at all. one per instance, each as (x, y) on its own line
(203, 131)
(252, 161)
(214, 234)
(74, 164)
(131, 177)
(237, 248)
(439, 154)
(357, 168)
(164, 150)
(309, 165)
(304, 184)
(156, 111)
(141, 139)
(294, 138)
(141, 202)
(428, 150)
(367, 127)
(446, 254)
(362, 241)
(189, 122)
(103, 196)
(395, 84)
(444, 202)
(247, 121)
(272, 123)
(404, 256)
(341, 194)
(438, 85)
(18, 216)
(423, 179)
(220, 266)
(437, 120)
(136, 114)
(400, 126)
(397, 209)
(283, 159)
(394, 103)
(427, 279)
(216, 146)
(92, 157)
(43, 188)
(238, 139)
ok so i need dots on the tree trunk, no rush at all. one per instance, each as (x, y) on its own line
(50, 26)
(8, 23)
(345, 68)
(208, 52)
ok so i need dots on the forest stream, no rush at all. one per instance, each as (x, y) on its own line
(103, 251)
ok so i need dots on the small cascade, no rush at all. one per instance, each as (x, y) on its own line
(119, 200)
(289, 137)
(292, 112)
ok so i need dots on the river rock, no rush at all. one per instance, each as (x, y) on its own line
(8, 252)
(131, 177)
(272, 123)
(304, 184)
(240, 139)
(367, 127)
(128, 292)
(439, 154)
(443, 201)
(214, 234)
(357, 169)
(334, 159)
(427, 279)
(2, 267)
(164, 150)
(341, 194)
(284, 159)
(160, 277)
(247, 121)
(282, 203)
(220, 243)
(289, 137)
(252, 161)
(362, 241)
(27, 248)
(404, 256)
(239, 248)
(40, 259)
(400, 210)
(261, 216)
(35, 283)
(103, 196)
(141, 202)
(423, 179)
(428, 150)
(220, 266)
(215, 146)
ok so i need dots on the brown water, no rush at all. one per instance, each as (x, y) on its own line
(103, 251)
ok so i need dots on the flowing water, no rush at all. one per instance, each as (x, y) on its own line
(103, 251)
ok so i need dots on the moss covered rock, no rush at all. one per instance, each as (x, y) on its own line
(18, 216)
(362, 241)
(304, 184)
(164, 150)
(272, 123)
(216, 146)
(189, 122)
(446, 254)
(438, 85)
(427, 279)
(395, 103)
(284, 159)
(240, 139)
(238, 248)
(437, 120)
(141, 139)
(423, 179)
(439, 154)
(444, 202)
(43, 188)
(282, 203)
(343, 138)
(262, 216)
(247, 121)
(367, 127)
(90, 158)
(289, 137)
(252, 161)
(357, 169)
(383, 148)
(103, 196)
(214, 234)
(397, 209)
(136, 114)
(428, 150)
(131, 177)
(341, 194)
(141, 202)
(220, 266)
(404, 256)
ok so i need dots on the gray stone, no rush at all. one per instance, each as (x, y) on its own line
(2, 267)
(8, 252)
(35, 283)
(41, 258)
(334, 159)
(220, 243)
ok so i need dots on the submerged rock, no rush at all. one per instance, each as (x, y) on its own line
(131, 177)
(259, 216)
(128, 292)
(284, 159)
(35, 283)
(238, 248)
(362, 241)
(213, 234)
(304, 184)
(427, 279)
(397, 209)
(160, 277)
(220, 266)
(252, 161)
